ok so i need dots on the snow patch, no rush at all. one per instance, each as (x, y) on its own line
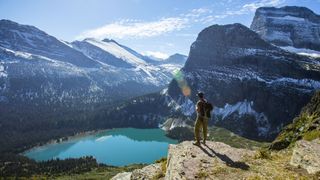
(116, 50)
(302, 51)
(187, 107)
(300, 82)
(3, 72)
(279, 35)
(289, 18)
(244, 108)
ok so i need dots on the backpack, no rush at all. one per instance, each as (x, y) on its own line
(208, 107)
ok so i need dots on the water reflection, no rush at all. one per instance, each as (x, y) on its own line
(114, 147)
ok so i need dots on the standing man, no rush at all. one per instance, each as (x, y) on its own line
(203, 109)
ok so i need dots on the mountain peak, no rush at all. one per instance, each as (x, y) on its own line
(220, 43)
(235, 35)
(288, 26)
(109, 40)
(296, 11)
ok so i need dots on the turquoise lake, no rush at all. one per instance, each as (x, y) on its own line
(117, 147)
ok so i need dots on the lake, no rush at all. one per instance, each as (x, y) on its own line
(116, 147)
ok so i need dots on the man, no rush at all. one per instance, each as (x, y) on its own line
(201, 121)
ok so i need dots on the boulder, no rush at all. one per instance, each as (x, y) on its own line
(148, 172)
(122, 176)
(306, 154)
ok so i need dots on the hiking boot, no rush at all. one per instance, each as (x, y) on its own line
(196, 143)
(204, 142)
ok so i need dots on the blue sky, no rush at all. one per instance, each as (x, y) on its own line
(159, 28)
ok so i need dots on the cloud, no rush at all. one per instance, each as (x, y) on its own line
(255, 5)
(131, 28)
(138, 29)
(156, 54)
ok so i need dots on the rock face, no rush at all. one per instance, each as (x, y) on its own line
(216, 160)
(288, 26)
(186, 161)
(149, 172)
(307, 155)
(122, 176)
(256, 87)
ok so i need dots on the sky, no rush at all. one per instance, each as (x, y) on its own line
(152, 27)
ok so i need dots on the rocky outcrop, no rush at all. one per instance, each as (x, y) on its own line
(187, 161)
(306, 154)
(122, 176)
(288, 26)
(216, 160)
(148, 172)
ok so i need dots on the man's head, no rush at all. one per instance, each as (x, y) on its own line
(200, 95)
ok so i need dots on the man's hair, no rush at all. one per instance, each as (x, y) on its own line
(200, 94)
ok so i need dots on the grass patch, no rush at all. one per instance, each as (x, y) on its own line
(311, 135)
(219, 170)
(202, 174)
(223, 135)
(162, 174)
(263, 154)
(301, 128)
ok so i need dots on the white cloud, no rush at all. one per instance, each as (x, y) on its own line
(255, 5)
(138, 29)
(156, 54)
(130, 28)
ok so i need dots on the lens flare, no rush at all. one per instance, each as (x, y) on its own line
(182, 83)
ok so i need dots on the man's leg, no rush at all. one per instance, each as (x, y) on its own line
(205, 129)
(197, 126)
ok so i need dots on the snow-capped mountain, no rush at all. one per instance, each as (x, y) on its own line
(29, 39)
(112, 54)
(296, 29)
(37, 69)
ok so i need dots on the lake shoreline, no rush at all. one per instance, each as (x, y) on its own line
(44, 151)
(64, 138)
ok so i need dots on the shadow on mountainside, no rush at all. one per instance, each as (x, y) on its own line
(229, 162)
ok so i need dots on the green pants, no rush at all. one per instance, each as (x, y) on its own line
(201, 122)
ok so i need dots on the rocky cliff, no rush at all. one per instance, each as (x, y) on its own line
(220, 161)
(298, 27)
(257, 88)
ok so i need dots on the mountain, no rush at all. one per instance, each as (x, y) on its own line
(87, 70)
(46, 83)
(291, 27)
(175, 59)
(29, 39)
(256, 87)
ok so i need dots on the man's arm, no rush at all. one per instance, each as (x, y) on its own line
(198, 106)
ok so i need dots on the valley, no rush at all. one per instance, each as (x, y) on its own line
(262, 80)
